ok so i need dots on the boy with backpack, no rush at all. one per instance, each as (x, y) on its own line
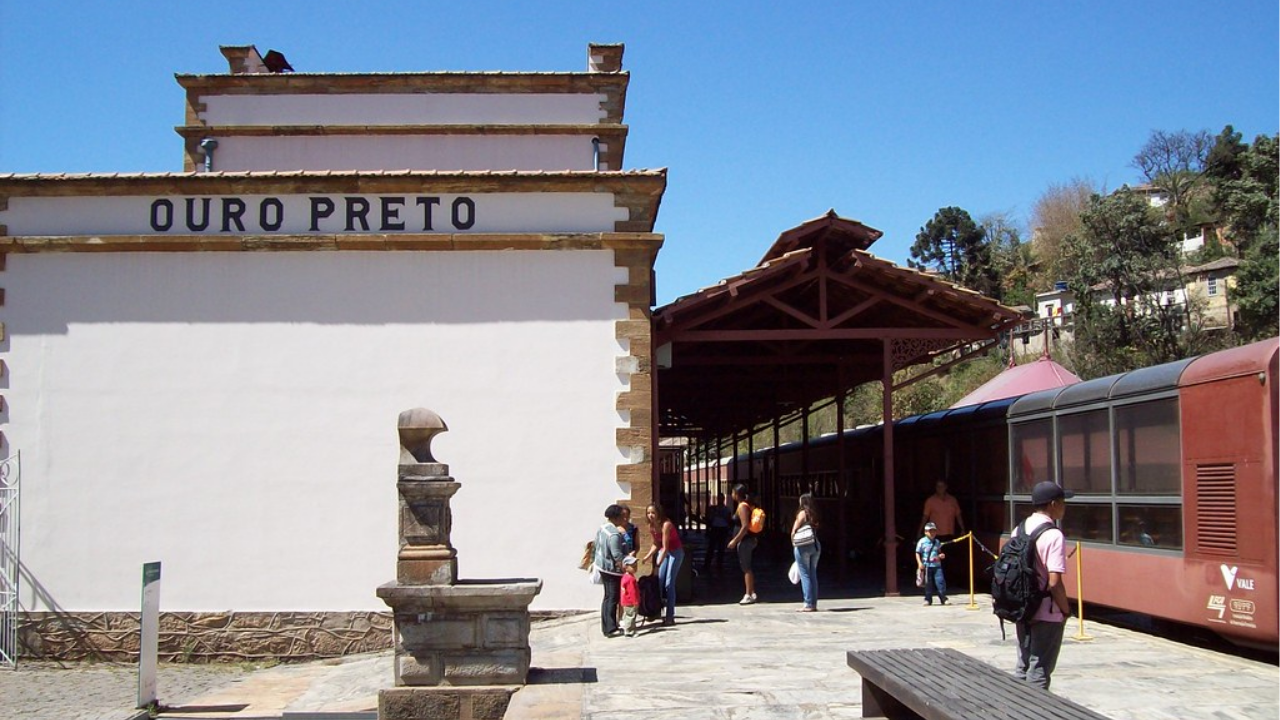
(1027, 588)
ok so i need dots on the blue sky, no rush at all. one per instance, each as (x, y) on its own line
(765, 114)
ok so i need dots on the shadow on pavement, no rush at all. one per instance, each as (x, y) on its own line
(561, 676)
(198, 709)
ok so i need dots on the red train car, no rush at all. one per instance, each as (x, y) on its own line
(1174, 473)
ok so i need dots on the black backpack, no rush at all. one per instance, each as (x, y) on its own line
(1015, 584)
(650, 590)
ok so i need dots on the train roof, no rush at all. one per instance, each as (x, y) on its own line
(1259, 357)
(1256, 357)
(980, 411)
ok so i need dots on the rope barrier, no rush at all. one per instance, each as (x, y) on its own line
(1075, 552)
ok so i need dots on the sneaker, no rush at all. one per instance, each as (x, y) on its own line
(927, 603)
(944, 601)
(747, 600)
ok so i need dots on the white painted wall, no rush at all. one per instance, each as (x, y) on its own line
(495, 212)
(405, 152)
(404, 109)
(233, 415)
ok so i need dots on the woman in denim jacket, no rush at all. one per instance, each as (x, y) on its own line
(608, 560)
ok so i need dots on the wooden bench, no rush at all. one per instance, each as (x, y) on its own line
(946, 684)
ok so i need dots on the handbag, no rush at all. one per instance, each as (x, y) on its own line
(804, 536)
(595, 575)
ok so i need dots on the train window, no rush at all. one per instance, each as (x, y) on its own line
(1089, 523)
(993, 515)
(1030, 443)
(1084, 439)
(1153, 526)
(1149, 450)
(1021, 511)
(990, 469)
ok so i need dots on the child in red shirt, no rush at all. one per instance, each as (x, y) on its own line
(630, 596)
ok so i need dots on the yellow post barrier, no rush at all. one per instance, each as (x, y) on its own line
(1080, 633)
(972, 604)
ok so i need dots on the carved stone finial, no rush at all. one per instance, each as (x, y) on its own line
(417, 427)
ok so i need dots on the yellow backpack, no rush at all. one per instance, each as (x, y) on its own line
(757, 521)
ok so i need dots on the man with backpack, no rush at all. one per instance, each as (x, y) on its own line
(1040, 623)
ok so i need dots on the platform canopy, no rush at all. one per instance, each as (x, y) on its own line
(819, 315)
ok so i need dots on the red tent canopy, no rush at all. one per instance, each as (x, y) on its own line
(1020, 380)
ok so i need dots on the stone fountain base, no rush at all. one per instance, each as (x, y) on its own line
(462, 703)
(475, 632)
(462, 650)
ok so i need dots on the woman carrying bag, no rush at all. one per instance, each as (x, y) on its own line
(804, 539)
(609, 554)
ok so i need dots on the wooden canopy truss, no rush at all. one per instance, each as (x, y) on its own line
(817, 317)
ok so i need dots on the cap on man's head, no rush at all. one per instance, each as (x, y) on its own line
(1046, 492)
(930, 526)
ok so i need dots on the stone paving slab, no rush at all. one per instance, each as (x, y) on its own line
(719, 662)
(99, 691)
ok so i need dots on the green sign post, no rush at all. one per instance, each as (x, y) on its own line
(149, 643)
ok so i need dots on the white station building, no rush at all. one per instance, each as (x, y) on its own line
(205, 368)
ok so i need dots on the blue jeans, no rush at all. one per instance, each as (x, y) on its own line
(667, 576)
(934, 581)
(807, 562)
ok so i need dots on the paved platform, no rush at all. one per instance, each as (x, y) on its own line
(722, 661)
(725, 661)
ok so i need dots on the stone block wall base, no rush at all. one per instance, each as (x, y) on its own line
(445, 703)
(205, 636)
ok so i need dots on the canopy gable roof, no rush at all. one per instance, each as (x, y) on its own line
(811, 320)
(838, 232)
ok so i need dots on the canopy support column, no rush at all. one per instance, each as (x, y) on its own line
(842, 481)
(890, 524)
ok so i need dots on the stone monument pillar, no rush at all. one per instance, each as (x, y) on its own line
(462, 646)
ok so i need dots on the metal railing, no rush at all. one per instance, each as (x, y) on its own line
(10, 476)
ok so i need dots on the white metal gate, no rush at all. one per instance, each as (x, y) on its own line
(10, 475)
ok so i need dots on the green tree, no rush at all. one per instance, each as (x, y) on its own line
(1244, 182)
(957, 247)
(1245, 188)
(1257, 287)
(1125, 263)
